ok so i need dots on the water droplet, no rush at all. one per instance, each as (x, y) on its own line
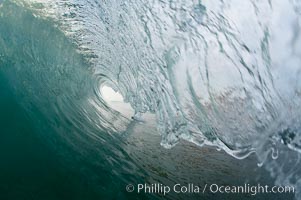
(274, 153)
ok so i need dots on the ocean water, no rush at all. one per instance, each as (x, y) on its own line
(210, 93)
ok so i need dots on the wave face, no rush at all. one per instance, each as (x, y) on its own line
(225, 74)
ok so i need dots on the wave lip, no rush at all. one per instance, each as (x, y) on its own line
(210, 76)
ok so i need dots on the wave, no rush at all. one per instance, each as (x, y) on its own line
(224, 74)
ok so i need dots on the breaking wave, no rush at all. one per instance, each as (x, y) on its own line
(224, 74)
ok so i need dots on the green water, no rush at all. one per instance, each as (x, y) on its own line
(37, 160)
(49, 150)
(30, 169)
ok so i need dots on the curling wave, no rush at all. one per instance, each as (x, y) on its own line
(225, 74)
